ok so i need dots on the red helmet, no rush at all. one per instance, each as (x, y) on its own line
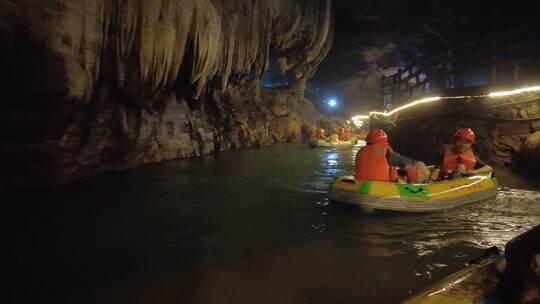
(377, 136)
(466, 133)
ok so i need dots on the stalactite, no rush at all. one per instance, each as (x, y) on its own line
(226, 63)
(126, 24)
(149, 39)
(206, 42)
(324, 22)
(164, 36)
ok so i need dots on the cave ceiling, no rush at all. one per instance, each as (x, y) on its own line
(375, 37)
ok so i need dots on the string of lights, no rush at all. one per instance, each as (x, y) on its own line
(358, 120)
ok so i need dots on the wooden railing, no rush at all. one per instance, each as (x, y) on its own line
(509, 50)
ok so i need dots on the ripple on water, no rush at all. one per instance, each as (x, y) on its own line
(481, 225)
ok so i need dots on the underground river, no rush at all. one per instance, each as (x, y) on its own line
(246, 226)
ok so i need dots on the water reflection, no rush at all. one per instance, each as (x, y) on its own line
(331, 165)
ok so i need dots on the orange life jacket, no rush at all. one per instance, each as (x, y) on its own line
(451, 160)
(371, 164)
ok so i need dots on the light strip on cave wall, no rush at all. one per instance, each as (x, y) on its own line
(358, 119)
(412, 104)
(514, 92)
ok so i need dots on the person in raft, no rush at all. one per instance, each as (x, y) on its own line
(377, 161)
(320, 134)
(334, 138)
(458, 159)
(344, 134)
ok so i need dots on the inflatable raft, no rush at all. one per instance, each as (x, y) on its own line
(329, 143)
(437, 196)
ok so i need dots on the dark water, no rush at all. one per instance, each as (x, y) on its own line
(251, 226)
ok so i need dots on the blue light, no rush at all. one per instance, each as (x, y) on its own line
(332, 102)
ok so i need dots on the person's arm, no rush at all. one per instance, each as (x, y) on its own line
(480, 167)
(436, 170)
(398, 160)
(484, 169)
(434, 174)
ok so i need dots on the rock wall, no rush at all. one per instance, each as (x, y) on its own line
(103, 84)
(507, 128)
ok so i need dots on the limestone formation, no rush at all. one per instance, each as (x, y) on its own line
(531, 149)
(113, 83)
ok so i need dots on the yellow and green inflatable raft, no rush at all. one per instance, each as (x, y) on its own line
(438, 196)
(329, 143)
